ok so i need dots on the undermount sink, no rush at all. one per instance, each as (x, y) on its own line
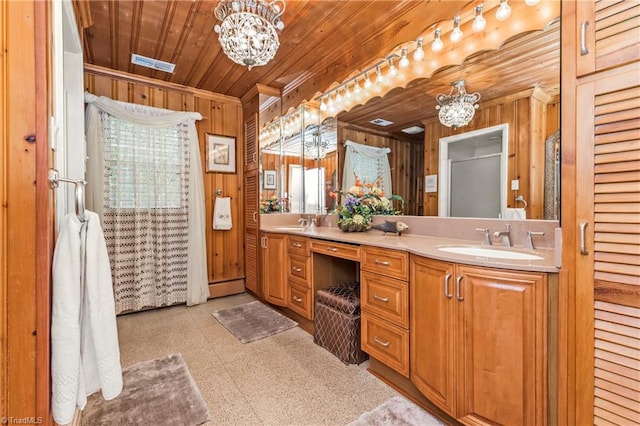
(489, 252)
(290, 228)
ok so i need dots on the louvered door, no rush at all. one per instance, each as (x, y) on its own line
(251, 250)
(251, 143)
(609, 33)
(608, 213)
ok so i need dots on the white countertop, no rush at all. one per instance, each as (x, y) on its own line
(427, 246)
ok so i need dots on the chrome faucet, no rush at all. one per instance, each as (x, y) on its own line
(506, 236)
(486, 239)
(529, 242)
(304, 222)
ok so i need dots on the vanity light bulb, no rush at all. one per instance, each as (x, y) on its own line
(437, 44)
(393, 71)
(338, 97)
(531, 2)
(331, 107)
(479, 23)
(418, 55)
(404, 61)
(380, 78)
(504, 11)
(323, 105)
(456, 34)
(356, 88)
(347, 92)
(367, 81)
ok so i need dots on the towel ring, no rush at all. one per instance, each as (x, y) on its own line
(522, 200)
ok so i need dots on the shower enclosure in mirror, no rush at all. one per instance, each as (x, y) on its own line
(298, 162)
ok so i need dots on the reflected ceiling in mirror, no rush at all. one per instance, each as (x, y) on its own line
(315, 142)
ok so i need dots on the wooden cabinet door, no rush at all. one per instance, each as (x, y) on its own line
(274, 283)
(608, 34)
(502, 371)
(433, 331)
(608, 260)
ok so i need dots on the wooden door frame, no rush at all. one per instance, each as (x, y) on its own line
(26, 219)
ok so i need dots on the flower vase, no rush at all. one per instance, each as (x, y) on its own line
(353, 227)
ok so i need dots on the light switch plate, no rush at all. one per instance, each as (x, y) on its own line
(515, 184)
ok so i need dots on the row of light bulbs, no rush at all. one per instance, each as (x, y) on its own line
(332, 99)
(289, 124)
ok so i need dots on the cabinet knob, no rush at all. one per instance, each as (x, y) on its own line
(382, 262)
(296, 269)
(297, 299)
(332, 249)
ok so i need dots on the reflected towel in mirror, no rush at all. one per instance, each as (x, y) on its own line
(516, 214)
(222, 213)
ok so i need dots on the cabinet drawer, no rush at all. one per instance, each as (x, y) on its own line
(300, 300)
(386, 343)
(344, 251)
(385, 297)
(298, 267)
(298, 245)
(391, 263)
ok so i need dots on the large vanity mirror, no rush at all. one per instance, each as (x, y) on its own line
(298, 161)
(519, 86)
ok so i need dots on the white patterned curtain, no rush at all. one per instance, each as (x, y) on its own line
(145, 181)
(369, 163)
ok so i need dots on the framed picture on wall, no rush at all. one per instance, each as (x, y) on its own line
(220, 152)
(269, 179)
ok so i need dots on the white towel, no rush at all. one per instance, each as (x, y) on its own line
(222, 213)
(516, 214)
(85, 355)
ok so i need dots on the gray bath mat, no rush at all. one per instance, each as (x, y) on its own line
(156, 392)
(397, 411)
(253, 321)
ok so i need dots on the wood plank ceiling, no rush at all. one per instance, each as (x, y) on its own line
(322, 42)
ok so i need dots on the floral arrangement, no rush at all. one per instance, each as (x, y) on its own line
(271, 204)
(360, 203)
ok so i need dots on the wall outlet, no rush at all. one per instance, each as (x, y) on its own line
(515, 184)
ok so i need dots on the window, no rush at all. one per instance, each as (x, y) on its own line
(145, 167)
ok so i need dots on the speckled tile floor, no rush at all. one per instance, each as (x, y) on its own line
(283, 379)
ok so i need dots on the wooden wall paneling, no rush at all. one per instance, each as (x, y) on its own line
(18, 251)
(221, 115)
(526, 147)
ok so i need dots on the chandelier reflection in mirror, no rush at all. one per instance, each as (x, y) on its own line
(458, 107)
(248, 33)
(316, 148)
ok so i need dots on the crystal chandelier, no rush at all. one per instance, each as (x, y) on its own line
(456, 110)
(248, 31)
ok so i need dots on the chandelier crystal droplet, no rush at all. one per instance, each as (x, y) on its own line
(248, 33)
(458, 107)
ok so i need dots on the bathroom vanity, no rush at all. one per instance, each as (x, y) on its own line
(469, 336)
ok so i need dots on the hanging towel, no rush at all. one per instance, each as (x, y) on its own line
(222, 213)
(85, 355)
(516, 214)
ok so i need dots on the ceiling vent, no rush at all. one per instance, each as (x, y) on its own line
(155, 64)
(413, 130)
(381, 122)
